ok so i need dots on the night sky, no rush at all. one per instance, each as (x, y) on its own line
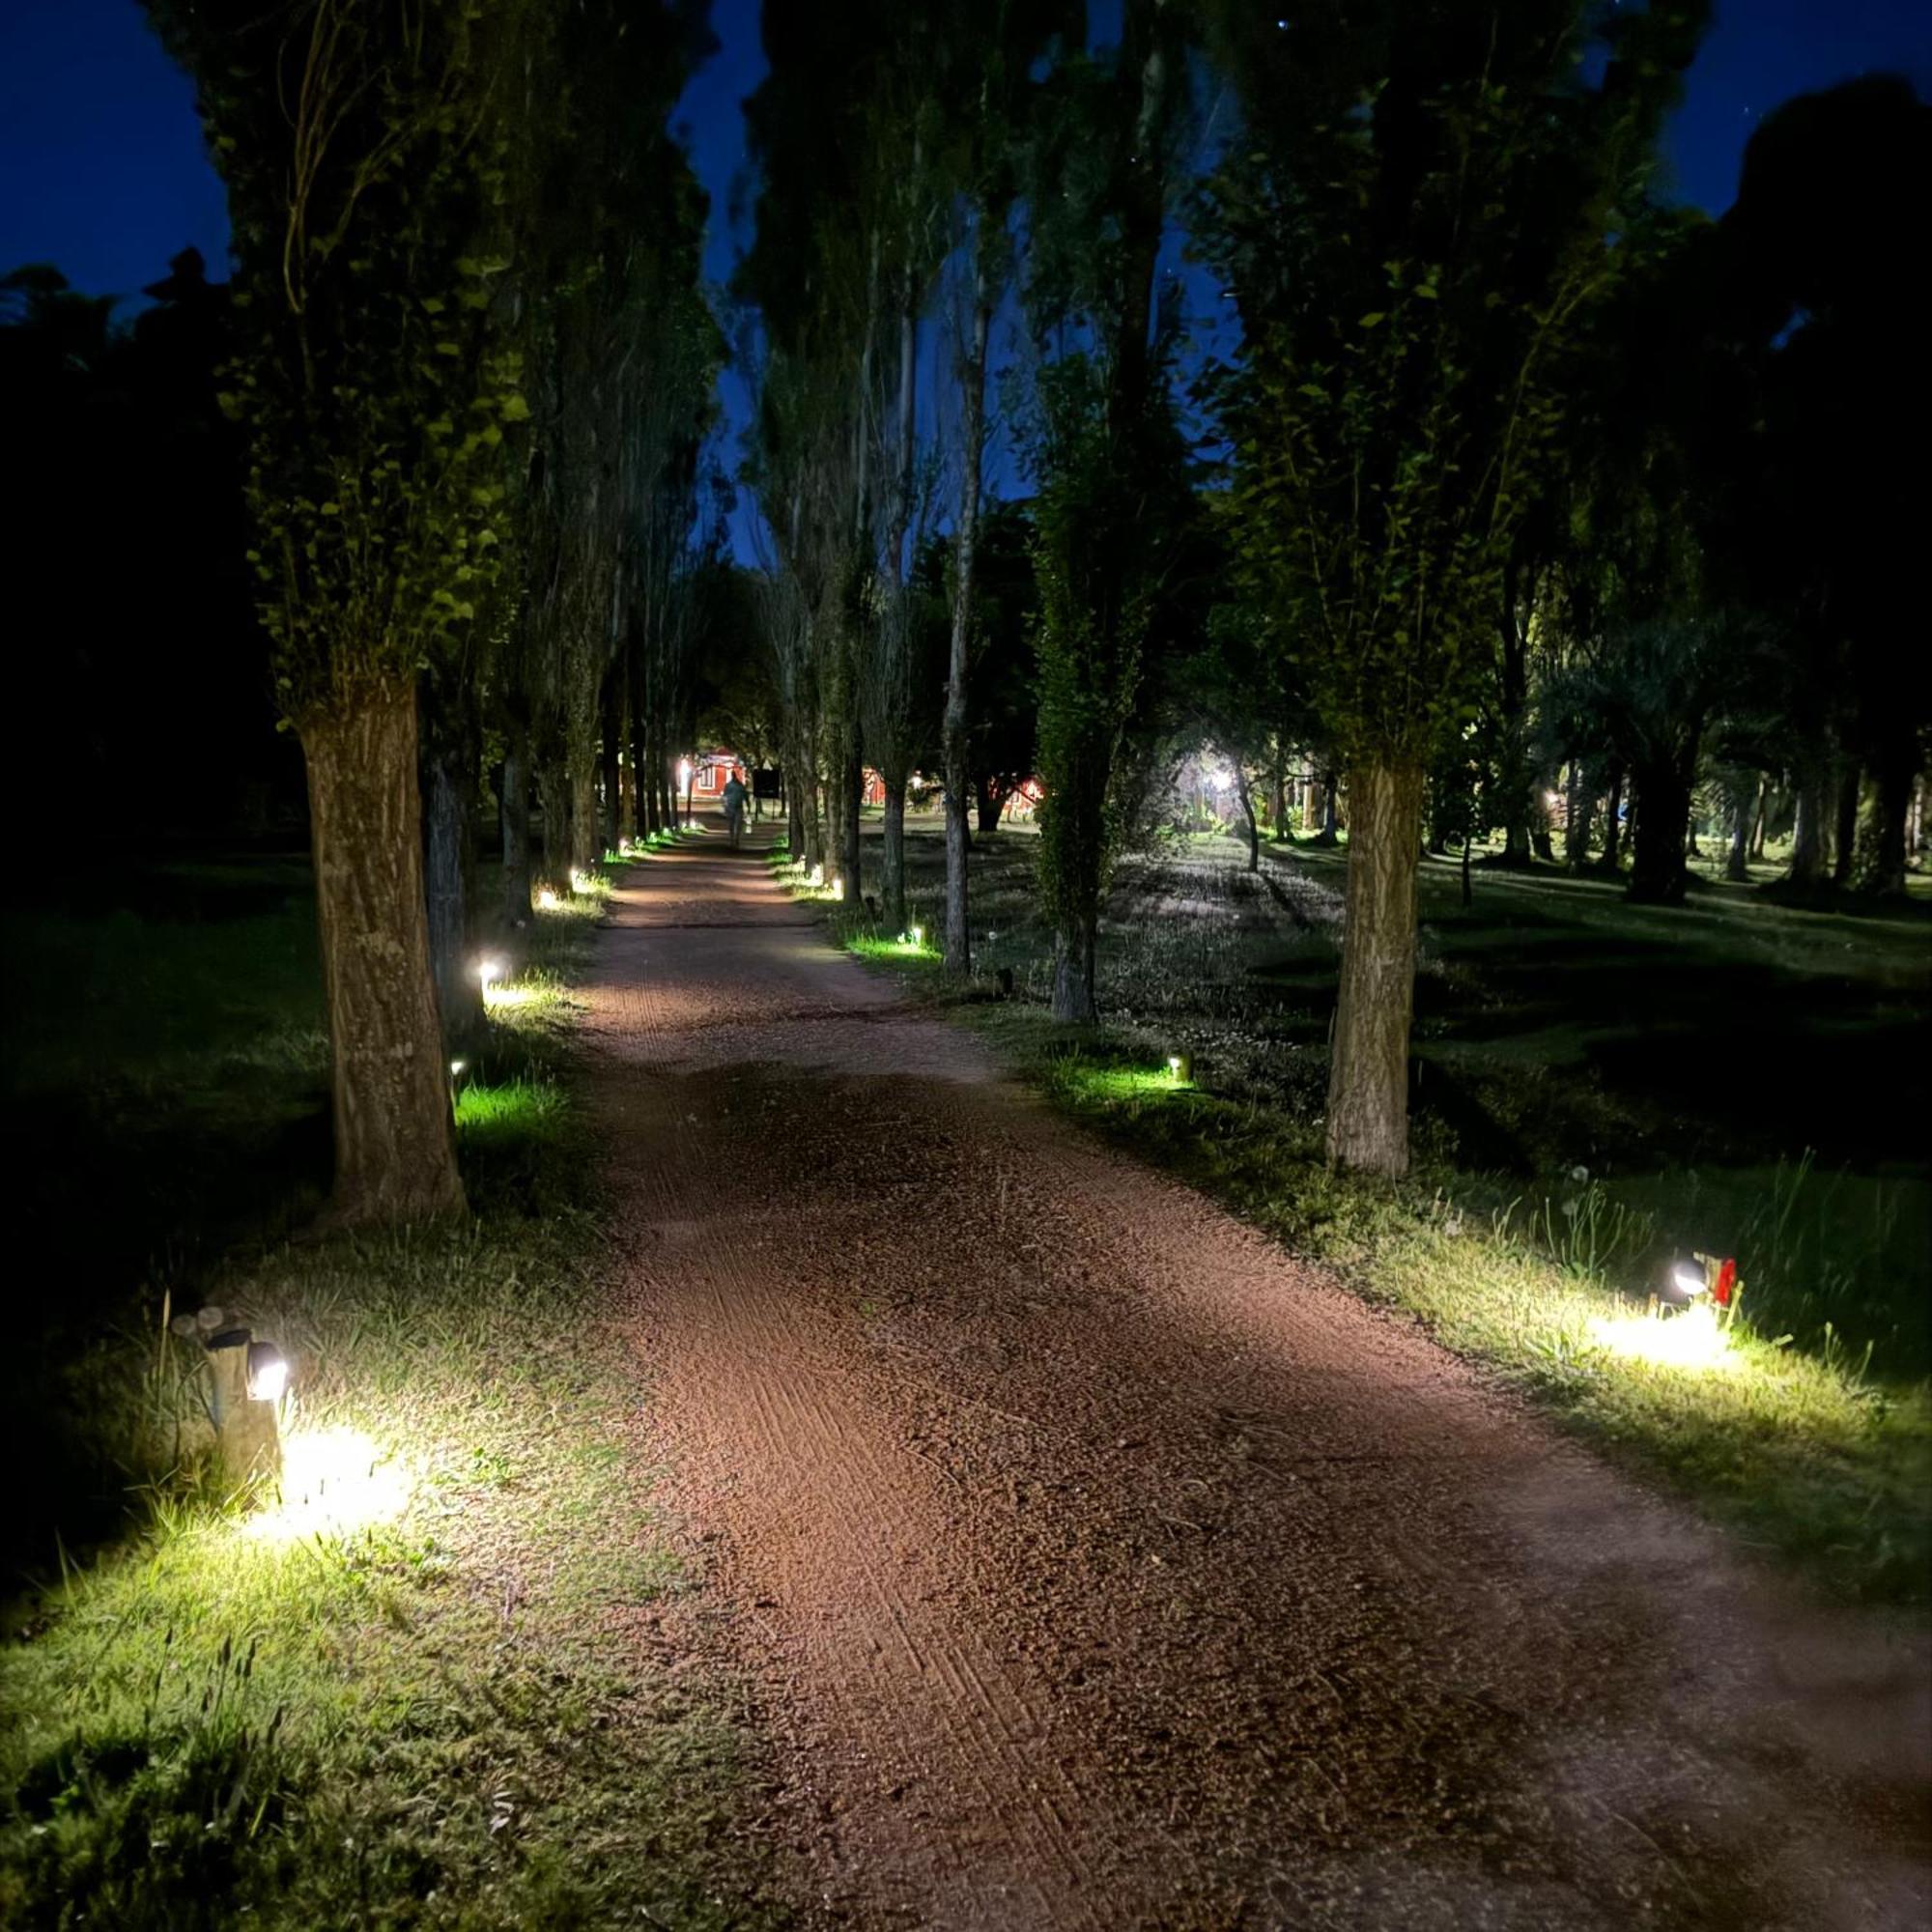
(101, 169)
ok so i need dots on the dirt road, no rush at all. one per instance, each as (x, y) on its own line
(1094, 1563)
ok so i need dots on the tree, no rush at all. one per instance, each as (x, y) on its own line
(1105, 445)
(363, 147)
(1823, 292)
(1416, 219)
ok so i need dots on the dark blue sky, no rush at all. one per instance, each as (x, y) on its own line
(101, 169)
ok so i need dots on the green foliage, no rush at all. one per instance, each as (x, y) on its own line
(1415, 224)
(365, 150)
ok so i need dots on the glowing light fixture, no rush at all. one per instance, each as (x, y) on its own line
(488, 973)
(837, 889)
(268, 1373)
(1689, 1281)
(1181, 1066)
(545, 900)
(918, 935)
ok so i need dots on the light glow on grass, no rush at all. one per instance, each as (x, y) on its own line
(495, 998)
(1696, 1340)
(547, 899)
(334, 1482)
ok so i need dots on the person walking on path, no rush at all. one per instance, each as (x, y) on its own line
(734, 808)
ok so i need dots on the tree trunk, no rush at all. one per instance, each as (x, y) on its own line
(1613, 822)
(516, 809)
(1074, 951)
(892, 864)
(459, 994)
(973, 430)
(1737, 867)
(1331, 811)
(1845, 833)
(989, 801)
(1807, 834)
(1659, 875)
(1576, 820)
(584, 819)
(610, 747)
(553, 801)
(1278, 803)
(395, 1143)
(1882, 867)
(851, 822)
(1248, 805)
(1367, 1081)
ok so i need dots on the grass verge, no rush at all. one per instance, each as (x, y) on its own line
(417, 1687)
(1804, 1455)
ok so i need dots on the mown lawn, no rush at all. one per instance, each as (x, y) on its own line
(419, 1685)
(1597, 1089)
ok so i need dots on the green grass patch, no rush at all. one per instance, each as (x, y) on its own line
(415, 1685)
(1807, 1457)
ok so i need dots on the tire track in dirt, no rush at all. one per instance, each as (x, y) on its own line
(1091, 1560)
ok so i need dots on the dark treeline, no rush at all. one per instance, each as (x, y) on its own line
(1530, 505)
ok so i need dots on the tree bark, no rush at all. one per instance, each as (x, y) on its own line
(989, 801)
(459, 994)
(395, 1143)
(583, 818)
(953, 734)
(1577, 819)
(1658, 873)
(892, 864)
(1248, 806)
(1368, 1080)
(1882, 866)
(1807, 834)
(1613, 822)
(1737, 867)
(610, 745)
(1845, 832)
(516, 810)
(552, 800)
(851, 819)
(1073, 955)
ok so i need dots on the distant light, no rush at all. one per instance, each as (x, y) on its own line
(488, 973)
(837, 889)
(918, 935)
(1181, 1066)
(683, 773)
(456, 1067)
(545, 900)
(1689, 1281)
(268, 1373)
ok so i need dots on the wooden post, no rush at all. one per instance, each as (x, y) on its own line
(246, 1435)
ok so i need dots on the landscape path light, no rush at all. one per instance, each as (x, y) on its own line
(247, 1379)
(546, 899)
(488, 973)
(1181, 1066)
(456, 1067)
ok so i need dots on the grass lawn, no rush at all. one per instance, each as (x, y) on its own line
(1599, 1089)
(419, 1686)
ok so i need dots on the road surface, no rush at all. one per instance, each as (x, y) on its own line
(1092, 1562)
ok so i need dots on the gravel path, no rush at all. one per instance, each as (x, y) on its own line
(1093, 1562)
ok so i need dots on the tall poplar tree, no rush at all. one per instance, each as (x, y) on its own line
(363, 144)
(1415, 218)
